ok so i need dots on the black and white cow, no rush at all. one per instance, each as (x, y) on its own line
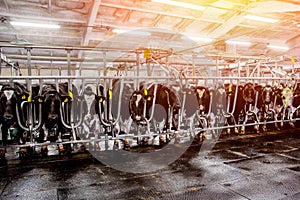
(57, 105)
(165, 98)
(51, 120)
(91, 121)
(296, 104)
(219, 104)
(283, 101)
(234, 106)
(265, 104)
(112, 106)
(204, 98)
(10, 100)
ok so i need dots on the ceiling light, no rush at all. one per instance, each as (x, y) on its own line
(197, 39)
(278, 47)
(36, 25)
(180, 4)
(131, 32)
(262, 19)
(238, 42)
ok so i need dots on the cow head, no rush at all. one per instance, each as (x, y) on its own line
(9, 98)
(249, 93)
(8, 102)
(136, 105)
(51, 108)
(203, 97)
(267, 94)
(287, 96)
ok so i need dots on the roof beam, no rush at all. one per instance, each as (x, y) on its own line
(90, 21)
(227, 25)
(54, 18)
(160, 12)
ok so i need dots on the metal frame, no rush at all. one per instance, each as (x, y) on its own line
(107, 79)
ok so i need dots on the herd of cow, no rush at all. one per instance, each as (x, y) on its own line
(51, 112)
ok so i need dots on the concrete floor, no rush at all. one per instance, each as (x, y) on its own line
(260, 166)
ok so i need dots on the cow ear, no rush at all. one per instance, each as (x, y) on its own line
(65, 98)
(24, 96)
(39, 99)
(99, 98)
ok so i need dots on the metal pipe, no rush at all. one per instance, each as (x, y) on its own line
(138, 65)
(158, 78)
(120, 101)
(72, 59)
(29, 61)
(153, 102)
(239, 68)
(79, 48)
(110, 101)
(217, 67)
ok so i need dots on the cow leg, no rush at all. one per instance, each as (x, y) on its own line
(244, 123)
(116, 145)
(59, 136)
(4, 135)
(256, 126)
(282, 117)
(86, 129)
(264, 118)
(264, 127)
(45, 133)
(44, 150)
(228, 131)
(290, 117)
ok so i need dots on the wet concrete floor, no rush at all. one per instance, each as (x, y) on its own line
(258, 166)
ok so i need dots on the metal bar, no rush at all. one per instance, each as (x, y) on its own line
(153, 103)
(120, 101)
(29, 61)
(131, 136)
(217, 67)
(73, 59)
(138, 66)
(110, 98)
(83, 48)
(158, 78)
(69, 61)
(239, 68)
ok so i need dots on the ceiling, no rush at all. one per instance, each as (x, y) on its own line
(90, 27)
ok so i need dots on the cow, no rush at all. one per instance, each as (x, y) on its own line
(296, 104)
(166, 107)
(91, 121)
(219, 105)
(278, 105)
(204, 98)
(11, 97)
(265, 104)
(250, 111)
(234, 106)
(112, 107)
(283, 104)
(56, 108)
(51, 120)
(189, 107)
(164, 97)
